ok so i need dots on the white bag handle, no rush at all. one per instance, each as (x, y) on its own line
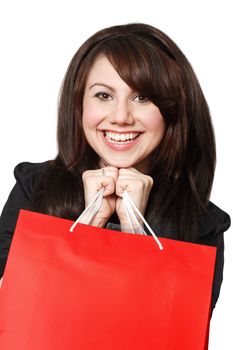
(130, 209)
(91, 209)
(131, 206)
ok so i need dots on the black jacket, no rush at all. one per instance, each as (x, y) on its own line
(211, 226)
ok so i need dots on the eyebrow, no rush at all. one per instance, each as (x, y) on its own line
(102, 84)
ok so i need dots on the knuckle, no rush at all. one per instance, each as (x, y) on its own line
(140, 184)
(111, 168)
(84, 175)
(148, 180)
(123, 171)
(151, 181)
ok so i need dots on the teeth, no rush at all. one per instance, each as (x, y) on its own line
(121, 137)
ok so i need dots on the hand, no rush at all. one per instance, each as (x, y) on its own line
(138, 186)
(93, 181)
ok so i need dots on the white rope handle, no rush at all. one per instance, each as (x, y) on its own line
(91, 209)
(132, 217)
(130, 209)
(129, 200)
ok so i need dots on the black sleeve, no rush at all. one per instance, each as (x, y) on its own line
(212, 228)
(26, 175)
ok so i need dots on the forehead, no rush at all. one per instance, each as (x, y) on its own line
(103, 71)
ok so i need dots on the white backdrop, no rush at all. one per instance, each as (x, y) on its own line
(38, 39)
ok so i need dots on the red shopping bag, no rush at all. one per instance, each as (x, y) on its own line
(101, 289)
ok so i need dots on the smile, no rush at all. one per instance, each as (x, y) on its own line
(121, 141)
(120, 138)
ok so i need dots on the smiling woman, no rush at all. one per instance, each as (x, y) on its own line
(130, 104)
(122, 126)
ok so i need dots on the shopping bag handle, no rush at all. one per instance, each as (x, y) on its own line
(130, 209)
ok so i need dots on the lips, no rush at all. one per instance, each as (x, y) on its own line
(114, 137)
(121, 141)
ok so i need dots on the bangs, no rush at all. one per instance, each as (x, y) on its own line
(147, 69)
(132, 63)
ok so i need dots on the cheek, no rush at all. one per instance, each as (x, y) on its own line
(155, 122)
(91, 117)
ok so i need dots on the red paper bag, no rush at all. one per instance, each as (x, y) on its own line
(101, 289)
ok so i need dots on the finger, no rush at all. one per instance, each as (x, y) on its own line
(109, 171)
(132, 179)
(108, 183)
(133, 185)
(128, 185)
(106, 171)
(129, 171)
(108, 178)
(98, 171)
(99, 182)
(94, 183)
(131, 175)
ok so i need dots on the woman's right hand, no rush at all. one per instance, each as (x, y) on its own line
(93, 181)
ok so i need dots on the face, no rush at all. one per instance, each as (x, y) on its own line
(121, 125)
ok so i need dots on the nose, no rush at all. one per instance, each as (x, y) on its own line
(121, 113)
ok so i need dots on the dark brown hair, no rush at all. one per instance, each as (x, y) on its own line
(183, 164)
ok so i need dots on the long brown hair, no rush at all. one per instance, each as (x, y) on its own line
(183, 164)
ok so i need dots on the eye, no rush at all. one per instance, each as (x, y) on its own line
(104, 96)
(141, 98)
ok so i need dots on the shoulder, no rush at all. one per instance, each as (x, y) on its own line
(213, 222)
(28, 175)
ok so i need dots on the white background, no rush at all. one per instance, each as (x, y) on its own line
(39, 38)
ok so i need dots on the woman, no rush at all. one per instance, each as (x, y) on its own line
(132, 116)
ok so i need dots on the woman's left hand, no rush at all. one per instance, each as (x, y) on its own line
(138, 186)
